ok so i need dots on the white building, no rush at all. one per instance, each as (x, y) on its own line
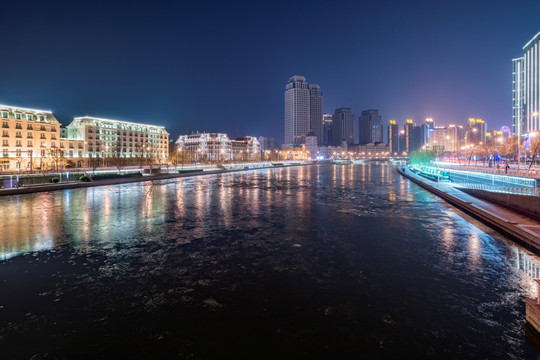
(526, 88)
(107, 138)
(205, 146)
(303, 111)
(218, 147)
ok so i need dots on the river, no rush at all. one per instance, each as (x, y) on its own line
(321, 261)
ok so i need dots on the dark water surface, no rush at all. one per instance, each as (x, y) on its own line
(319, 261)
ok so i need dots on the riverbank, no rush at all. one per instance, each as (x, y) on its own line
(124, 180)
(519, 227)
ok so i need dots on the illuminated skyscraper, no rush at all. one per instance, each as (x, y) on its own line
(409, 124)
(393, 136)
(303, 111)
(427, 126)
(526, 88)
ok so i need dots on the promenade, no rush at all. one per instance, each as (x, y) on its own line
(172, 173)
(520, 227)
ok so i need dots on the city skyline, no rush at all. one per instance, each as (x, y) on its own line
(192, 67)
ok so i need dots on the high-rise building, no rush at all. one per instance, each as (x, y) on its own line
(427, 126)
(409, 124)
(526, 88)
(303, 110)
(327, 129)
(416, 138)
(316, 111)
(476, 131)
(393, 137)
(444, 139)
(343, 126)
(370, 127)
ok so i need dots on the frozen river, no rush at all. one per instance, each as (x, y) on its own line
(321, 261)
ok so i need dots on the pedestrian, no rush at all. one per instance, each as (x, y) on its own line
(506, 168)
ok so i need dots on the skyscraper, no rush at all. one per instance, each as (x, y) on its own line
(409, 124)
(393, 137)
(343, 126)
(327, 129)
(526, 88)
(370, 127)
(303, 110)
(427, 127)
(316, 111)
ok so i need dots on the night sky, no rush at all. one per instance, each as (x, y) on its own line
(223, 66)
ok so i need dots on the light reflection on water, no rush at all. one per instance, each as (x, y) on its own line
(363, 245)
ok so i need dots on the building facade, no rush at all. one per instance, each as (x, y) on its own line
(327, 129)
(409, 125)
(343, 126)
(205, 146)
(218, 147)
(393, 137)
(30, 139)
(444, 139)
(316, 111)
(110, 140)
(526, 89)
(370, 127)
(476, 131)
(303, 110)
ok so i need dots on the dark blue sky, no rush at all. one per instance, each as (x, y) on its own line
(223, 66)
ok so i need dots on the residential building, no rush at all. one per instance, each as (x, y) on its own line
(393, 137)
(409, 124)
(343, 126)
(370, 127)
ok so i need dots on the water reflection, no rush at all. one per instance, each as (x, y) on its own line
(347, 243)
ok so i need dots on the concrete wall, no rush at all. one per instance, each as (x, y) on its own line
(521, 203)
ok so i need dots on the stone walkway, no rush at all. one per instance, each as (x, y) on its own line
(517, 226)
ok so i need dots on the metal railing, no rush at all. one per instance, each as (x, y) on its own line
(516, 190)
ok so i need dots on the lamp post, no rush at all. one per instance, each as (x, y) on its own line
(31, 162)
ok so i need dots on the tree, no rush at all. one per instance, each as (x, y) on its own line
(57, 156)
(117, 159)
(421, 157)
(535, 146)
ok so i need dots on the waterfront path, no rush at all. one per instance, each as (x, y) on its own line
(518, 226)
(147, 177)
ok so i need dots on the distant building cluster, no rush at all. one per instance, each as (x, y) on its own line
(34, 140)
(332, 135)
